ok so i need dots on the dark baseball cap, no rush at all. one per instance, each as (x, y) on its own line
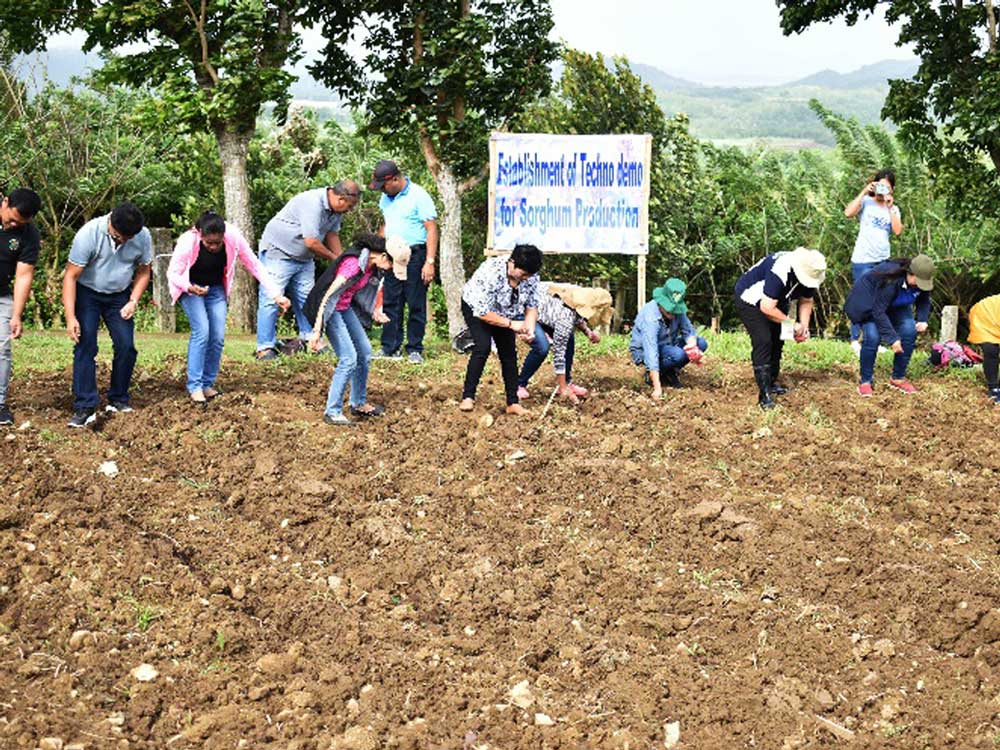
(383, 171)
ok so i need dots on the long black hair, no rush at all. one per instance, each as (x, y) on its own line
(900, 267)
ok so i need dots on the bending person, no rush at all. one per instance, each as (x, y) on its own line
(984, 329)
(763, 298)
(200, 276)
(556, 318)
(663, 338)
(882, 304)
(501, 290)
(333, 304)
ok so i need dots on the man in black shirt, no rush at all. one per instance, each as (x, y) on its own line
(19, 246)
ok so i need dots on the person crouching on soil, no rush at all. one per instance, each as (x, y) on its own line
(984, 329)
(501, 290)
(882, 302)
(200, 277)
(663, 338)
(763, 296)
(344, 299)
(559, 319)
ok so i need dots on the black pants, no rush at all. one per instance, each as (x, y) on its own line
(765, 337)
(991, 364)
(412, 293)
(482, 334)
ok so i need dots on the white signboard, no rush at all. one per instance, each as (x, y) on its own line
(569, 193)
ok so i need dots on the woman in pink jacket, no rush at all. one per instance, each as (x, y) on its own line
(201, 276)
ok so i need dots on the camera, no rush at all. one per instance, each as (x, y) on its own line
(882, 189)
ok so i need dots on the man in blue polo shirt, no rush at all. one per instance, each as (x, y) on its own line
(307, 226)
(407, 212)
(109, 268)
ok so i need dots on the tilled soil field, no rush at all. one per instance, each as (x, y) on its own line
(629, 574)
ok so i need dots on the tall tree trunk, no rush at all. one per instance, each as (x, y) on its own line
(450, 246)
(234, 143)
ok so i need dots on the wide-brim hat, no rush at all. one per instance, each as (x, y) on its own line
(923, 268)
(670, 297)
(809, 266)
(399, 251)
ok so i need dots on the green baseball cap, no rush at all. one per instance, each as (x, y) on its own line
(670, 296)
(923, 268)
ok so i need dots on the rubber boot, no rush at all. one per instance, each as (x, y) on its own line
(777, 389)
(995, 395)
(763, 377)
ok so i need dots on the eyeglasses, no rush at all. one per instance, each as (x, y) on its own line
(117, 236)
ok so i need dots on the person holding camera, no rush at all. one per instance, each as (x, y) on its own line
(878, 216)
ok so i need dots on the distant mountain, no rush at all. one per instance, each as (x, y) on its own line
(876, 74)
(779, 114)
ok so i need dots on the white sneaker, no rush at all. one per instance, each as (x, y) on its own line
(416, 358)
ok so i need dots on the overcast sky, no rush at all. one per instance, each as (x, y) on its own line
(731, 42)
(723, 42)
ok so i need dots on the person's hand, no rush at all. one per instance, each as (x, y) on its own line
(517, 326)
(802, 335)
(595, 337)
(16, 328)
(314, 342)
(73, 330)
(380, 317)
(897, 346)
(567, 393)
(889, 201)
(693, 353)
(921, 327)
(128, 310)
(657, 393)
(869, 189)
(199, 291)
(283, 303)
(427, 272)
(528, 334)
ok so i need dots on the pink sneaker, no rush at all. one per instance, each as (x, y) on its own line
(522, 393)
(865, 389)
(903, 385)
(579, 391)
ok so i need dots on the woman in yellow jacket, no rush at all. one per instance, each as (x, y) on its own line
(984, 329)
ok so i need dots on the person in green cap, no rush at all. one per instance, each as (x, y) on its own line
(882, 303)
(663, 338)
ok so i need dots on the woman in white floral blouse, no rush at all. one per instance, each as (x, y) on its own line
(501, 290)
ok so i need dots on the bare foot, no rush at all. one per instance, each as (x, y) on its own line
(198, 397)
(516, 409)
(467, 405)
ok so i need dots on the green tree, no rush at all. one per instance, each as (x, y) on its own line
(949, 112)
(592, 97)
(447, 73)
(214, 63)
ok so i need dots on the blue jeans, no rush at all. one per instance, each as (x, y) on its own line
(413, 292)
(858, 270)
(902, 321)
(296, 279)
(672, 355)
(207, 316)
(91, 307)
(540, 350)
(354, 354)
